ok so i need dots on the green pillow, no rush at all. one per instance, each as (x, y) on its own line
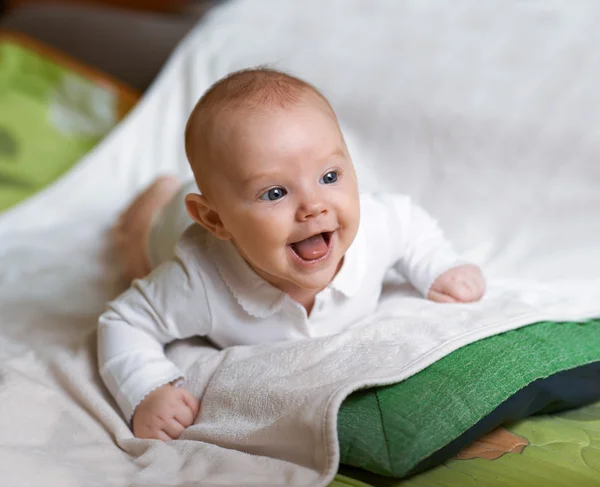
(53, 110)
(389, 430)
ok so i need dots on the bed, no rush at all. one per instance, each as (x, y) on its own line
(483, 112)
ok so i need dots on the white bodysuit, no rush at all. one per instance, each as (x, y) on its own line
(208, 289)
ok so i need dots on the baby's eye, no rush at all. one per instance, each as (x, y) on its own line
(273, 194)
(330, 177)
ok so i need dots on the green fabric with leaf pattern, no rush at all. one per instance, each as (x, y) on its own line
(388, 430)
(49, 118)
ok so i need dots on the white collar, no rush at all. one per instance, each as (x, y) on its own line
(258, 297)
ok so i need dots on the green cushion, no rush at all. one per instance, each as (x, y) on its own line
(51, 114)
(563, 451)
(389, 430)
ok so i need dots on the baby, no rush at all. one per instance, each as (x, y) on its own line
(284, 246)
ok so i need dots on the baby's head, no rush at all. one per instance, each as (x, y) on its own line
(276, 178)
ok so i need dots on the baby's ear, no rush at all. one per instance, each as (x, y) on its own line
(200, 210)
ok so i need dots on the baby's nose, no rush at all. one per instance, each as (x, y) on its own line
(311, 209)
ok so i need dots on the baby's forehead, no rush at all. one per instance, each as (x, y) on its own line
(271, 128)
(269, 120)
(246, 124)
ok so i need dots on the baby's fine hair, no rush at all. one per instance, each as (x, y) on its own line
(238, 93)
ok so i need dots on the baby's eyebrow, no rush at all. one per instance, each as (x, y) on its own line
(252, 178)
(339, 152)
(257, 177)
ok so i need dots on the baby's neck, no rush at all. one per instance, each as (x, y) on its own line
(304, 297)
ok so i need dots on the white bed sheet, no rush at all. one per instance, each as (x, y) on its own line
(486, 112)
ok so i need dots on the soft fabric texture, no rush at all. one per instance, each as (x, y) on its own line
(484, 112)
(390, 430)
(209, 290)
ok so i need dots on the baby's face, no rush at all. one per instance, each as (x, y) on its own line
(287, 194)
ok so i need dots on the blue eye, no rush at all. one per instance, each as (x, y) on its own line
(273, 194)
(330, 177)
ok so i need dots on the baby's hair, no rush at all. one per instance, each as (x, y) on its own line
(238, 93)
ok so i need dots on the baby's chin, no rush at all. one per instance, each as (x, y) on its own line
(316, 281)
(289, 279)
(313, 285)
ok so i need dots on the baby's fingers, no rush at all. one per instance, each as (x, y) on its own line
(161, 435)
(466, 291)
(476, 285)
(173, 428)
(191, 402)
(185, 416)
(440, 297)
(153, 433)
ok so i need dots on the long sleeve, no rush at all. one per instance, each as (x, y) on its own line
(420, 251)
(169, 304)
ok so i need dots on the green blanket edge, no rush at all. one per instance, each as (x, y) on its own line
(459, 390)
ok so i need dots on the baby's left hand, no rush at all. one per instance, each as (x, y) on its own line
(462, 284)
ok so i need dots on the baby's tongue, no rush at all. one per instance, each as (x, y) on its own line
(311, 248)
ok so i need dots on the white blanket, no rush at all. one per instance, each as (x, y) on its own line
(485, 112)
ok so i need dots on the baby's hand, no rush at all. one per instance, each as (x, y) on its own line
(462, 284)
(165, 413)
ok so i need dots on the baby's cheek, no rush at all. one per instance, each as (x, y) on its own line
(276, 226)
(350, 212)
(266, 236)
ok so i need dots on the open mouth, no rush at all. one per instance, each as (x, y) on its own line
(313, 249)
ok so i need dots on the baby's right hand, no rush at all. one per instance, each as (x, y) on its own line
(165, 413)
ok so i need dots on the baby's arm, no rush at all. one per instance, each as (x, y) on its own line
(169, 304)
(427, 259)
